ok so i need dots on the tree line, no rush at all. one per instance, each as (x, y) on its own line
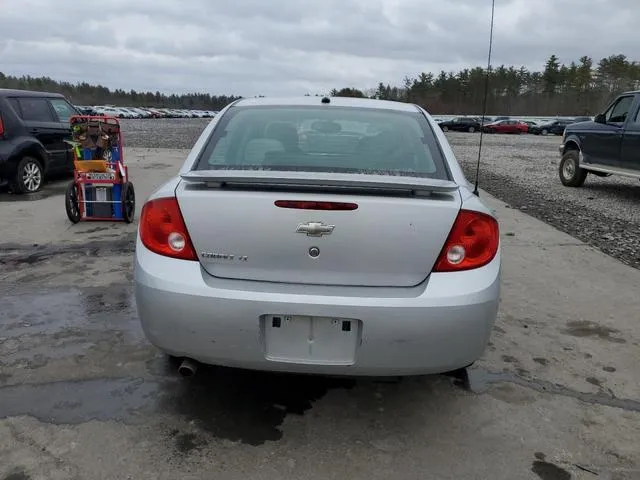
(86, 94)
(579, 88)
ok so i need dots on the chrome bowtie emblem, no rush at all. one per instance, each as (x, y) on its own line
(315, 229)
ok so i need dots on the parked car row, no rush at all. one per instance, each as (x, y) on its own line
(146, 112)
(508, 125)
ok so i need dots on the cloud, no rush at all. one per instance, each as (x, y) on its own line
(292, 47)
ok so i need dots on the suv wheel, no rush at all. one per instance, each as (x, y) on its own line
(571, 175)
(29, 176)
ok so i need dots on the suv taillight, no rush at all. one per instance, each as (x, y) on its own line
(162, 229)
(1, 127)
(472, 243)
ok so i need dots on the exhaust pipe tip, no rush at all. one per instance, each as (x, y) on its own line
(188, 368)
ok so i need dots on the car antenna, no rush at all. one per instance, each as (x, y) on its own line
(486, 94)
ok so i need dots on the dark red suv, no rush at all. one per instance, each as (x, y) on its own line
(33, 130)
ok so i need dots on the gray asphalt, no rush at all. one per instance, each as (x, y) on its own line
(84, 396)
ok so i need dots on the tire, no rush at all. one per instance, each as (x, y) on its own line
(29, 176)
(128, 202)
(571, 175)
(544, 131)
(445, 129)
(71, 203)
(472, 129)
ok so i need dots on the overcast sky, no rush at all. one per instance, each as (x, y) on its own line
(293, 47)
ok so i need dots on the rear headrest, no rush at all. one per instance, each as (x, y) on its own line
(257, 149)
(285, 132)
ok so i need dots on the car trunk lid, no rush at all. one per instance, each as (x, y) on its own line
(248, 225)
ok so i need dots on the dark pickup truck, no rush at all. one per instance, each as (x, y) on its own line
(609, 145)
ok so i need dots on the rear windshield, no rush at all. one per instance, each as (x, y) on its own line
(324, 139)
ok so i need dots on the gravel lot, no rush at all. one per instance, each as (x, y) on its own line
(520, 170)
(163, 133)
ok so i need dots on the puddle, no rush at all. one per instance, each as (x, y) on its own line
(57, 323)
(549, 471)
(80, 401)
(246, 406)
(17, 475)
(478, 381)
(591, 329)
(240, 406)
(16, 255)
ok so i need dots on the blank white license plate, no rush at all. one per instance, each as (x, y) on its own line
(311, 340)
(101, 176)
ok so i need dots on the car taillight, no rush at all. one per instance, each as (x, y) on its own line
(1, 127)
(162, 229)
(472, 243)
(315, 205)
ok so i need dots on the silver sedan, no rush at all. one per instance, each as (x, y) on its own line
(334, 236)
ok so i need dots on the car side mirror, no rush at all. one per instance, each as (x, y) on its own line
(600, 118)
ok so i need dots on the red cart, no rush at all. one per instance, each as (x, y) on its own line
(100, 189)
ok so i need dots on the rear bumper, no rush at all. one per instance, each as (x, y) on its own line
(442, 325)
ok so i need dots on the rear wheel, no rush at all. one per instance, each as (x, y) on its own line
(571, 175)
(445, 129)
(128, 202)
(29, 176)
(544, 131)
(472, 129)
(71, 203)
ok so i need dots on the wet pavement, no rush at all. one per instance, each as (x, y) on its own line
(191, 416)
(65, 322)
(83, 395)
(239, 406)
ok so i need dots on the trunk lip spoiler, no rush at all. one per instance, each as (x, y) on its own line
(217, 178)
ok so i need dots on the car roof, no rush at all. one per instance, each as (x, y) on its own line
(7, 92)
(334, 101)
